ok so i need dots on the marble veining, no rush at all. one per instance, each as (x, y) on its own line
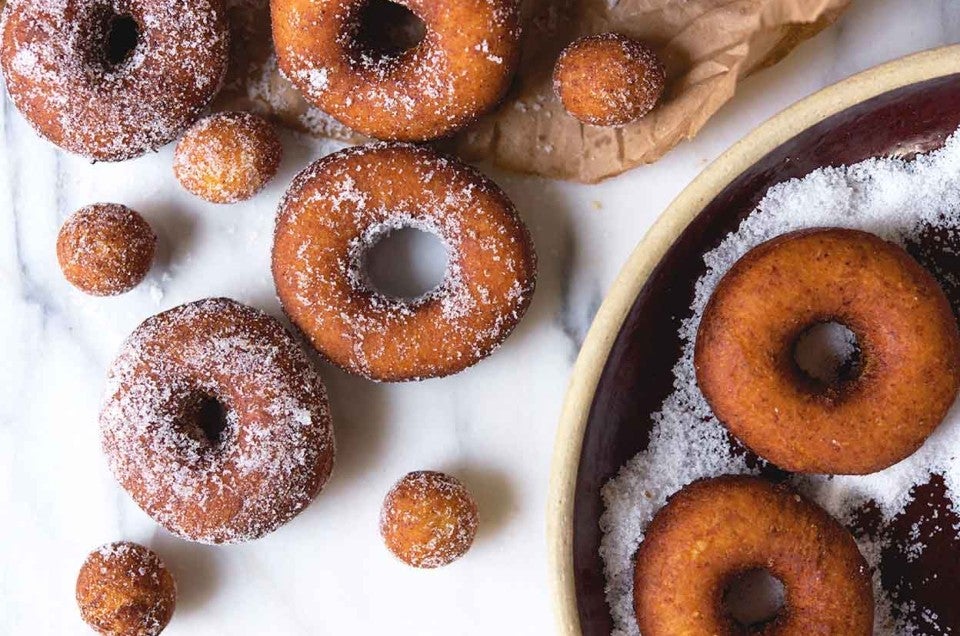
(493, 425)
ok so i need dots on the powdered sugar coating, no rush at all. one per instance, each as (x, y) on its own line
(124, 588)
(337, 208)
(271, 459)
(895, 199)
(227, 157)
(105, 249)
(459, 71)
(428, 519)
(55, 64)
(608, 79)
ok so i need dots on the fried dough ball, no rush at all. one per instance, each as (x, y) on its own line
(608, 79)
(105, 249)
(125, 590)
(227, 157)
(428, 519)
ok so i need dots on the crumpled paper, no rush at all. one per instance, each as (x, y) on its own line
(707, 46)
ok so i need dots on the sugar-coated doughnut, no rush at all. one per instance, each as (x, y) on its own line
(715, 530)
(203, 477)
(112, 79)
(124, 589)
(608, 79)
(340, 206)
(460, 69)
(227, 157)
(105, 249)
(428, 519)
(909, 366)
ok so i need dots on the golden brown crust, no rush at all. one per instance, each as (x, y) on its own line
(124, 589)
(54, 56)
(275, 450)
(459, 71)
(105, 249)
(715, 529)
(907, 334)
(340, 206)
(227, 157)
(428, 519)
(608, 79)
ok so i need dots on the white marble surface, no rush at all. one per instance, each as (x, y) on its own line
(327, 571)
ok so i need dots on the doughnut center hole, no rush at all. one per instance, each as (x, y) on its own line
(211, 419)
(406, 263)
(388, 29)
(123, 35)
(828, 354)
(754, 598)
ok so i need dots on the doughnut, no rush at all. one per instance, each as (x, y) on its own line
(460, 70)
(428, 519)
(112, 79)
(124, 589)
(342, 205)
(906, 377)
(216, 423)
(227, 157)
(714, 531)
(105, 249)
(608, 79)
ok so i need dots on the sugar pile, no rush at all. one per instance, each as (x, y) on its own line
(895, 199)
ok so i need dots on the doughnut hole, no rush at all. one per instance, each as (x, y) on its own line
(827, 356)
(227, 157)
(123, 36)
(124, 589)
(212, 419)
(754, 598)
(406, 263)
(105, 249)
(608, 79)
(385, 30)
(428, 519)
(205, 419)
(110, 39)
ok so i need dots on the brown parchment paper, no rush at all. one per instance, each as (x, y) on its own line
(708, 46)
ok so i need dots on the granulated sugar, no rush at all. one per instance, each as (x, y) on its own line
(895, 199)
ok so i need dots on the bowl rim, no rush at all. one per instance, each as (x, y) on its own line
(647, 254)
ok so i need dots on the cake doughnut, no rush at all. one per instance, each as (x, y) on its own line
(428, 519)
(227, 157)
(216, 423)
(908, 370)
(105, 249)
(339, 207)
(112, 79)
(124, 589)
(460, 69)
(716, 530)
(608, 79)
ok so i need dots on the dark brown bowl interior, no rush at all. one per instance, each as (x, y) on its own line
(637, 376)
